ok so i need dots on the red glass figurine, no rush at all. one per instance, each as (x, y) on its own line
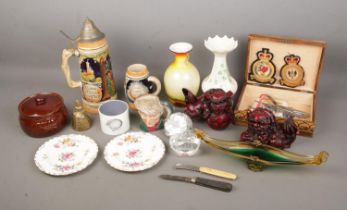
(215, 106)
(263, 127)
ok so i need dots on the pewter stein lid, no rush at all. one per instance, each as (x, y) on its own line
(89, 32)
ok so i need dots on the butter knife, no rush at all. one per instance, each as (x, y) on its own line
(213, 184)
(206, 170)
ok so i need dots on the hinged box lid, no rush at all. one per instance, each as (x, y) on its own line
(288, 57)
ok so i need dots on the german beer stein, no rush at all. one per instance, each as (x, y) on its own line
(97, 81)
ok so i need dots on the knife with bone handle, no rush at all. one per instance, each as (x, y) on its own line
(207, 170)
(213, 184)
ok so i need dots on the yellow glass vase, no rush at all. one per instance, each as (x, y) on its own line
(181, 74)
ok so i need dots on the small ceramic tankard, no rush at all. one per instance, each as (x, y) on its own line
(97, 82)
(138, 83)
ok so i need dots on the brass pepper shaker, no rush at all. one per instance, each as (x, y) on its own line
(80, 120)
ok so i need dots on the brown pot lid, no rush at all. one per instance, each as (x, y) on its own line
(41, 104)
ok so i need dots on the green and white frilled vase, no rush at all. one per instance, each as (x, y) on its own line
(220, 76)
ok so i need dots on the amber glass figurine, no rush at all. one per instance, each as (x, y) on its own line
(260, 155)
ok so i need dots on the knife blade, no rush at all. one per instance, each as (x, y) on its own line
(213, 184)
(207, 170)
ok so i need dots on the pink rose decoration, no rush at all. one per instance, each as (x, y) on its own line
(67, 156)
(135, 164)
(133, 153)
(66, 168)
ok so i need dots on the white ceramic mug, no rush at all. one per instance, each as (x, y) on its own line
(114, 117)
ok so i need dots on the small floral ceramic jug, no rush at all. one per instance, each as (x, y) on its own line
(96, 82)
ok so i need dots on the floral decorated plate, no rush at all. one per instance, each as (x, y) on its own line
(134, 151)
(67, 154)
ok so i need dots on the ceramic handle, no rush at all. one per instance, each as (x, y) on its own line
(157, 83)
(66, 55)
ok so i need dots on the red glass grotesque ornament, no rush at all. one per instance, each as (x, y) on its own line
(214, 106)
(263, 127)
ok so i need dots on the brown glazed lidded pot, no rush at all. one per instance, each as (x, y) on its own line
(42, 114)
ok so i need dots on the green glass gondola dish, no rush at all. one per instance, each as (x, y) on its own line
(259, 155)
